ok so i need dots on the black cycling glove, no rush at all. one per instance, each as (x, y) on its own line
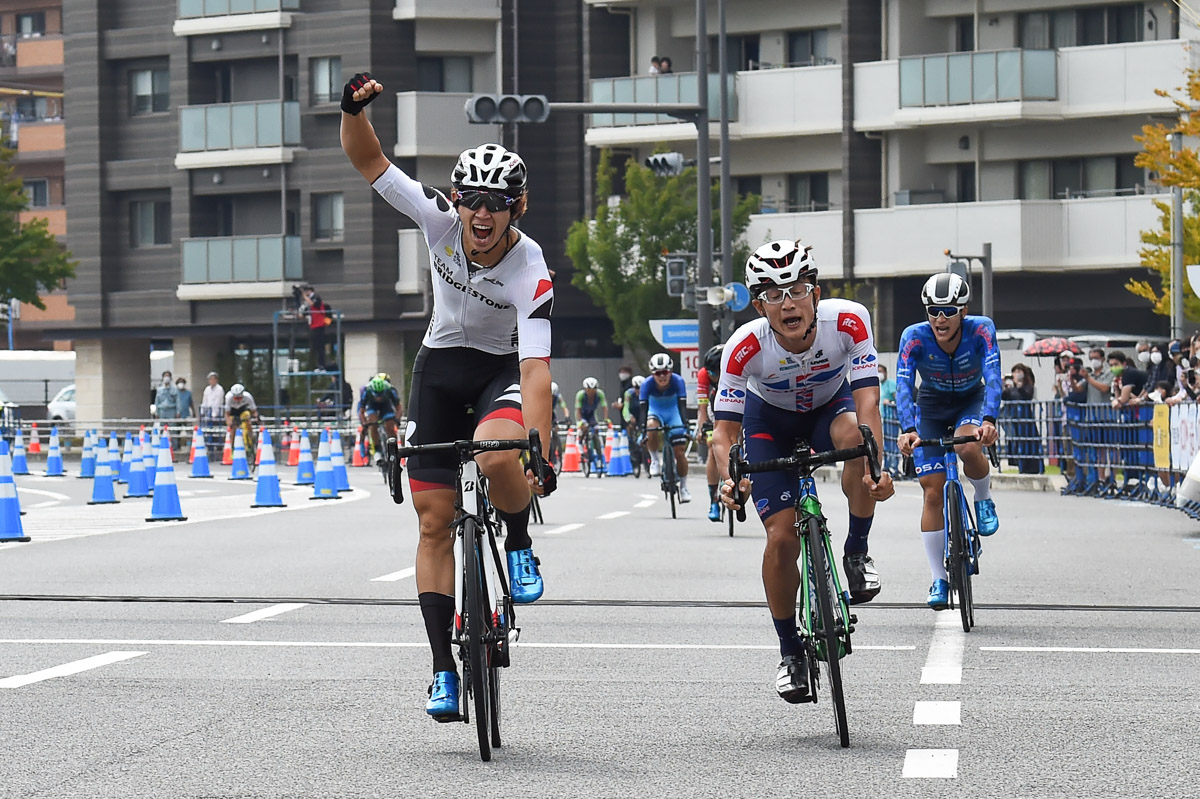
(349, 104)
(549, 478)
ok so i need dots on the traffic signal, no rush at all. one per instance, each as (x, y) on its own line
(666, 164)
(496, 109)
(677, 277)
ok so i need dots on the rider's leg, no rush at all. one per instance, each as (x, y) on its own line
(975, 466)
(435, 570)
(373, 428)
(844, 433)
(508, 490)
(933, 532)
(781, 576)
(653, 443)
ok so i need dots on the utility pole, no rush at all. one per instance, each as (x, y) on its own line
(1176, 247)
(726, 180)
(704, 274)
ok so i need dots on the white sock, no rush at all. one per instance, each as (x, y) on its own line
(935, 550)
(683, 480)
(982, 486)
(656, 457)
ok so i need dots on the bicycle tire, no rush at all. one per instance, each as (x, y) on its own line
(668, 477)
(494, 704)
(475, 663)
(824, 590)
(960, 559)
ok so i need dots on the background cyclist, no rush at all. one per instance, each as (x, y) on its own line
(706, 391)
(803, 371)
(959, 363)
(664, 407)
(591, 403)
(379, 401)
(472, 376)
(241, 411)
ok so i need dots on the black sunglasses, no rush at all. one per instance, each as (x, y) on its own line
(495, 201)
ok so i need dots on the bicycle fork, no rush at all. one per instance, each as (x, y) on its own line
(471, 508)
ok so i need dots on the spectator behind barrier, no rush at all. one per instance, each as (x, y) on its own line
(1022, 442)
(1129, 384)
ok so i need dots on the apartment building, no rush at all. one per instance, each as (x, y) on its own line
(206, 176)
(969, 121)
(32, 123)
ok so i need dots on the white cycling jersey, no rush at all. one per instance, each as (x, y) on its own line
(499, 309)
(247, 402)
(754, 361)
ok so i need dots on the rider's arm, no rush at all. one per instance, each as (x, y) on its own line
(535, 397)
(985, 335)
(579, 396)
(701, 397)
(725, 434)
(906, 372)
(601, 405)
(864, 374)
(362, 147)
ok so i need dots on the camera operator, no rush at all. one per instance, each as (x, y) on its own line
(312, 306)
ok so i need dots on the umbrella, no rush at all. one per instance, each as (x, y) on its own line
(1052, 346)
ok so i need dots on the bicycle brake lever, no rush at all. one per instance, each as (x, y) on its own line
(735, 473)
(872, 451)
(397, 472)
(535, 455)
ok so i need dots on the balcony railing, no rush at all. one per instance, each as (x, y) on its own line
(242, 259)
(430, 124)
(673, 88)
(192, 9)
(981, 77)
(232, 126)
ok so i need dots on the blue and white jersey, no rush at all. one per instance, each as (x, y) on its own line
(664, 402)
(948, 377)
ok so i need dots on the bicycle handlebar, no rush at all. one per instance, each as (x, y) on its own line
(468, 449)
(952, 441)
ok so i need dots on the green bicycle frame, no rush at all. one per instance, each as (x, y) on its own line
(809, 507)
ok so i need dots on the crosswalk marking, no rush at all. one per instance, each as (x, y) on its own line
(66, 669)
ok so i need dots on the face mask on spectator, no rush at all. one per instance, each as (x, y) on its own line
(1144, 356)
(1096, 364)
(1156, 357)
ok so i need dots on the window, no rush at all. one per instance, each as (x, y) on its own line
(965, 179)
(1067, 178)
(1035, 180)
(964, 34)
(1092, 25)
(149, 91)
(149, 223)
(32, 24)
(747, 185)
(327, 217)
(808, 191)
(808, 48)
(444, 74)
(38, 192)
(741, 53)
(326, 79)
(34, 108)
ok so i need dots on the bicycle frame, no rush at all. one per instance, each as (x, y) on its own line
(951, 460)
(809, 507)
(470, 506)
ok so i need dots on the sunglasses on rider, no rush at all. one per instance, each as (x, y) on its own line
(775, 295)
(947, 311)
(662, 372)
(494, 200)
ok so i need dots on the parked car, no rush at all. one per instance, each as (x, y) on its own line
(62, 407)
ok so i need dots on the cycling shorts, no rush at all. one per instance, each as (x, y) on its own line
(938, 415)
(237, 412)
(772, 432)
(453, 391)
(669, 420)
(384, 410)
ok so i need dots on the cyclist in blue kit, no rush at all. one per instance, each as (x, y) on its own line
(959, 363)
(664, 403)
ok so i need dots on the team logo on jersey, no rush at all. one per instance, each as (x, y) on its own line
(544, 310)
(786, 496)
(732, 395)
(865, 360)
(852, 326)
(492, 280)
(742, 355)
(449, 251)
(761, 505)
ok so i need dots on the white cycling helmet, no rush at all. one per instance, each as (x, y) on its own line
(237, 389)
(492, 168)
(780, 263)
(946, 288)
(638, 380)
(591, 383)
(660, 361)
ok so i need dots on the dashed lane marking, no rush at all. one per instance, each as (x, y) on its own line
(1105, 650)
(943, 665)
(937, 713)
(404, 644)
(394, 576)
(616, 514)
(265, 613)
(67, 669)
(566, 528)
(930, 764)
(645, 503)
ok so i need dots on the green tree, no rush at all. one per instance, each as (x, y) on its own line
(618, 255)
(31, 259)
(1156, 257)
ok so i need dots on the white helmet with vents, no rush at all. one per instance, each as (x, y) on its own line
(659, 362)
(946, 288)
(780, 263)
(591, 383)
(490, 167)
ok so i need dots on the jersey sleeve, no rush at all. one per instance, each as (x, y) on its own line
(702, 386)
(989, 351)
(579, 398)
(855, 323)
(906, 376)
(736, 360)
(679, 385)
(250, 401)
(534, 300)
(425, 205)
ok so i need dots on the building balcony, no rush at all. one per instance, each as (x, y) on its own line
(612, 129)
(238, 134)
(434, 124)
(477, 10)
(1046, 235)
(228, 16)
(31, 56)
(55, 216)
(240, 267)
(41, 141)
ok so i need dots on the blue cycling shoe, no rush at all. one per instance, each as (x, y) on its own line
(524, 580)
(939, 595)
(985, 512)
(443, 695)
(714, 512)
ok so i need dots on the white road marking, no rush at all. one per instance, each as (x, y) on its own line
(1195, 542)
(566, 528)
(1115, 650)
(66, 669)
(41, 492)
(930, 764)
(645, 503)
(48, 503)
(616, 514)
(937, 713)
(394, 576)
(399, 645)
(648, 496)
(264, 613)
(943, 665)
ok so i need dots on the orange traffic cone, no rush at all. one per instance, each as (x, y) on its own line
(258, 448)
(35, 446)
(608, 447)
(294, 451)
(227, 453)
(358, 458)
(571, 453)
(192, 449)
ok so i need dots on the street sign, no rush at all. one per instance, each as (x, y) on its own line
(676, 334)
(741, 296)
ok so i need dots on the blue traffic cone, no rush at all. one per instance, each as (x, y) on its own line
(199, 456)
(137, 473)
(19, 464)
(338, 459)
(10, 506)
(266, 490)
(126, 458)
(54, 462)
(240, 469)
(617, 463)
(114, 455)
(305, 471)
(165, 507)
(87, 464)
(149, 460)
(102, 488)
(325, 485)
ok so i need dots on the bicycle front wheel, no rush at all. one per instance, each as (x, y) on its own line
(668, 475)
(475, 664)
(828, 632)
(960, 557)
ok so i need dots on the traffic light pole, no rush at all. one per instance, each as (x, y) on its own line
(704, 239)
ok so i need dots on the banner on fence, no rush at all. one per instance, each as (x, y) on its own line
(1185, 433)
(1162, 437)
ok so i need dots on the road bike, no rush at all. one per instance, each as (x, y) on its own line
(368, 440)
(825, 619)
(591, 455)
(963, 547)
(669, 481)
(484, 614)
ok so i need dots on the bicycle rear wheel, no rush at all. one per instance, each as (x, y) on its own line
(670, 487)
(960, 557)
(475, 663)
(828, 633)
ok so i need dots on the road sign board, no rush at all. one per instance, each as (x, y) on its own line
(741, 296)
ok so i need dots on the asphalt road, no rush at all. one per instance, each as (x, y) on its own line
(135, 661)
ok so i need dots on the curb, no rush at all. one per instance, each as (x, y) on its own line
(1000, 482)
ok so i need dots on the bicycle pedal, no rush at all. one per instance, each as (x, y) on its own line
(853, 621)
(514, 635)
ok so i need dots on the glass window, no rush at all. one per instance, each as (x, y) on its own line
(429, 75)
(149, 91)
(1034, 31)
(965, 179)
(1100, 176)
(1067, 178)
(38, 192)
(1063, 25)
(1035, 180)
(326, 79)
(808, 48)
(444, 74)
(964, 34)
(748, 184)
(1129, 177)
(149, 223)
(1123, 24)
(31, 24)
(1090, 26)
(808, 191)
(327, 217)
